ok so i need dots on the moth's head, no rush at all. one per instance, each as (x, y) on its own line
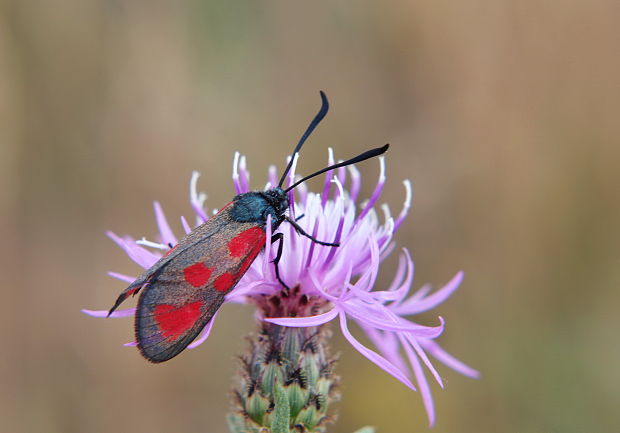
(277, 199)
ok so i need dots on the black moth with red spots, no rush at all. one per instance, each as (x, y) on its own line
(183, 290)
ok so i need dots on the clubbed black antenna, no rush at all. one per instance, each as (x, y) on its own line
(359, 158)
(317, 119)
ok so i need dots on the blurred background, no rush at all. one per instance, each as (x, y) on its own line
(503, 114)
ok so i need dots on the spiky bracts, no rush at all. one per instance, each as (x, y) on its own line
(286, 380)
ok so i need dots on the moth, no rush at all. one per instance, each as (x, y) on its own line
(181, 292)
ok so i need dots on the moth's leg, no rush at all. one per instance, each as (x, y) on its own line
(303, 233)
(276, 261)
(300, 217)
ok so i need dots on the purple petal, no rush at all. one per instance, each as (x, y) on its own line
(319, 287)
(204, 334)
(185, 225)
(167, 237)
(420, 378)
(420, 293)
(366, 281)
(377, 192)
(135, 252)
(122, 277)
(244, 175)
(342, 175)
(387, 344)
(448, 360)
(131, 344)
(273, 177)
(242, 290)
(394, 292)
(346, 282)
(339, 189)
(355, 183)
(400, 272)
(149, 244)
(406, 205)
(291, 179)
(236, 182)
(373, 356)
(302, 193)
(328, 178)
(303, 322)
(422, 355)
(401, 325)
(291, 173)
(431, 301)
(104, 313)
(386, 248)
(312, 245)
(385, 232)
(197, 200)
(337, 238)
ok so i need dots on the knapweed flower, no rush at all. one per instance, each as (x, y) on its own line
(327, 283)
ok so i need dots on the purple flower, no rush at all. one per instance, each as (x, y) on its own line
(338, 282)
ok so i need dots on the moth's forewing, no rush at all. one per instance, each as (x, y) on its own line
(184, 293)
(195, 237)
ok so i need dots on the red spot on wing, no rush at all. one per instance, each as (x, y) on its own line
(174, 321)
(224, 282)
(246, 241)
(197, 274)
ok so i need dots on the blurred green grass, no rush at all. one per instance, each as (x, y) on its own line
(503, 114)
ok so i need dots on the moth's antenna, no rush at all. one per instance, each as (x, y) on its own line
(359, 158)
(317, 119)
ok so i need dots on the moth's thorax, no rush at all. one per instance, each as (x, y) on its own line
(256, 206)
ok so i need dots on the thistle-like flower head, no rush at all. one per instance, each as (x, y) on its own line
(330, 283)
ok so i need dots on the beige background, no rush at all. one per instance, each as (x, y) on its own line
(504, 114)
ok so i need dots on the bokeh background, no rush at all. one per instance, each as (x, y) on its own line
(504, 114)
